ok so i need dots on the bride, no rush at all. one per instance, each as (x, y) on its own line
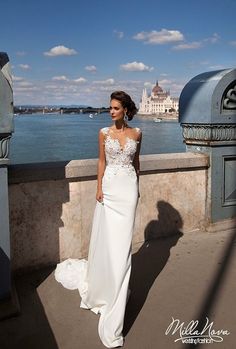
(103, 280)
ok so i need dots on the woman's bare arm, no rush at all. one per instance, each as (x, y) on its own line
(136, 161)
(100, 166)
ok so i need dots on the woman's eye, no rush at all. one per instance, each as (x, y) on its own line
(114, 108)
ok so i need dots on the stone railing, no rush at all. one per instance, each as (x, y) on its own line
(52, 205)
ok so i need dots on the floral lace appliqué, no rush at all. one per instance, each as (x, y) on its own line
(118, 158)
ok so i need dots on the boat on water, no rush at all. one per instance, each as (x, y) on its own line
(92, 115)
(157, 120)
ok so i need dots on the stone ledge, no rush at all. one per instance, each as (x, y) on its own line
(4, 162)
(87, 169)
(222, 225)
(173, 161)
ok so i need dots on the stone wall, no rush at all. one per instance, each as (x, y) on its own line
(52, 205)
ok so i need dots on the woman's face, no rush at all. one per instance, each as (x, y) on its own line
(117, 111)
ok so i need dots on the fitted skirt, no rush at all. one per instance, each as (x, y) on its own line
(103, 279)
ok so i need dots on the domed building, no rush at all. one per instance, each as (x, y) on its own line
(158, 102)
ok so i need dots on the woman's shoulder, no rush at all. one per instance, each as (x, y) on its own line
(104, 130)
(135, 133)
(136, 130)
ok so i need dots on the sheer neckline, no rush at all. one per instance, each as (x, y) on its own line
(127, 139)
(122, 147)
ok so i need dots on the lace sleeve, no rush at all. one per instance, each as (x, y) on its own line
(104, 131)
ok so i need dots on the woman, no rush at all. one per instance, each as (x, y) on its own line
(103, 280)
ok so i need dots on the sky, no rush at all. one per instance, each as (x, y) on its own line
(78, 52)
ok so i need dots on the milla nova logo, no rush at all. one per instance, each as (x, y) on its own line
(188, 333)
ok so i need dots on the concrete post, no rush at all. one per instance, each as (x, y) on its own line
(5, 272)
(8, 305)
(207, 110)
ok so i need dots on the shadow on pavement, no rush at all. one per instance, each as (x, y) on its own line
(31, 328)
(151, 258)
(207, 306)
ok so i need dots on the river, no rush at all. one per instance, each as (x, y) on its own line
(46, 138)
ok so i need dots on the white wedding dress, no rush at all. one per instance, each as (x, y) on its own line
(103, 280)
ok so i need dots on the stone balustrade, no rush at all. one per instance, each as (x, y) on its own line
(52, 205)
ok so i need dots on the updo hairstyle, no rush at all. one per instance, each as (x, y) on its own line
(126, 102)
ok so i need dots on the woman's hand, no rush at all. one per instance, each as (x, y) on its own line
(99, 196)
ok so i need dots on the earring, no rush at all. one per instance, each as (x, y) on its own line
(126, 117)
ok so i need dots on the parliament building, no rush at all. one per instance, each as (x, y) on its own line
(158, 102)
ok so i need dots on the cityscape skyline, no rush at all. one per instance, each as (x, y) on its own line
(79, 52)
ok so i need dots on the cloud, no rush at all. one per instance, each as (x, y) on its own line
(105, 82)
(173, 36)
(148, 84)
(24, 66)
(60, 51)
(65, 79)
(232, 43)
(91, 68)
(50, 86)
(26, 91)
(213, 39)
(197, 44)
(176, 88)
(159, 37)
(204, 62)
(165, 82)
(17, 78)
(21, 53)
(188, 46)
(80, 80)
(136, 66)
(119, 34)
(60, 78)
(217, 66)
(95, 93)
(24, 84)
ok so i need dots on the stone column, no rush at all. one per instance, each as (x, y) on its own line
(8, 303)
(207, 110)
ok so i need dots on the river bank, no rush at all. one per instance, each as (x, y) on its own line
(160, 116)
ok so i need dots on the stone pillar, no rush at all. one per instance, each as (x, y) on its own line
(7, 304)
(207, 113)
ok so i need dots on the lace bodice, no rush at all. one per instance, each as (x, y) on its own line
(116, 156)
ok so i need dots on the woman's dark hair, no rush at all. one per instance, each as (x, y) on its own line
(126, 102)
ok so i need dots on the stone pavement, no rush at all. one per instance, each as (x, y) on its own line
(186, 277)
